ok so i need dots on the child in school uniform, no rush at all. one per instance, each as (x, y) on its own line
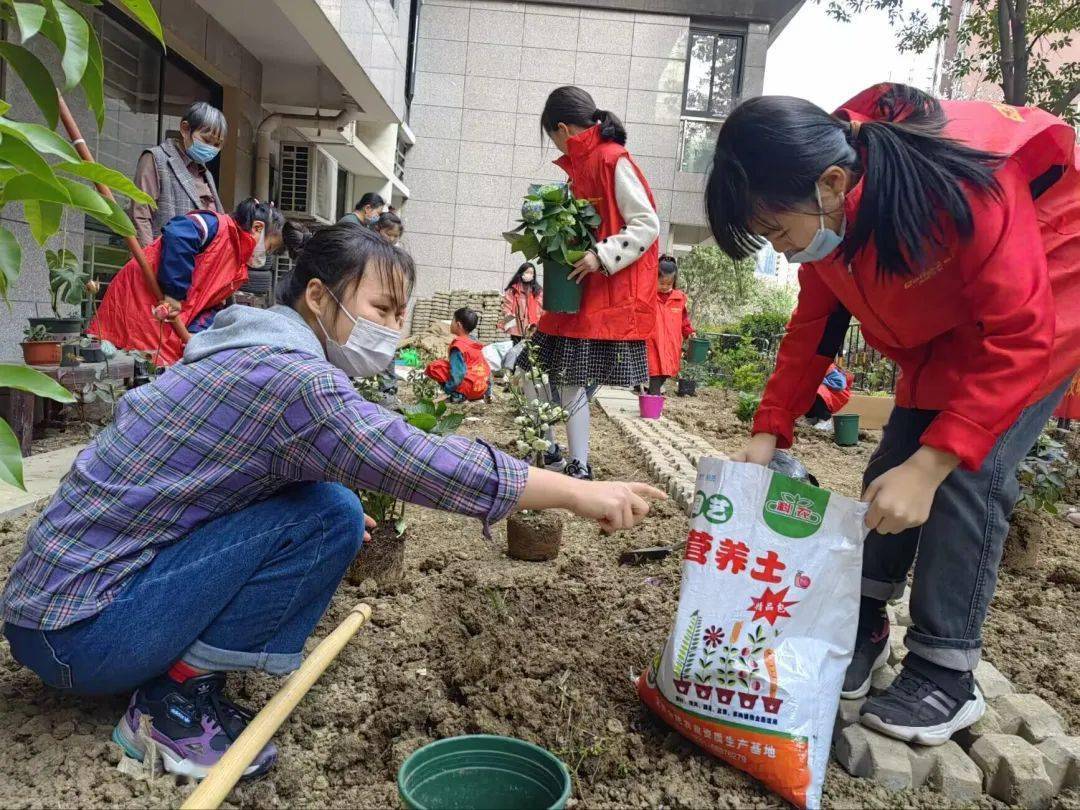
(466, 374)
(673, 327)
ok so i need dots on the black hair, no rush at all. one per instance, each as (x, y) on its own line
(387, 220)
(340, 255)
(203, 116)
(573, 106)
(372, 199)
(534, 284)
(295, 236)
(250, 211)
(467, 318)
(667, 265)
(772, 149)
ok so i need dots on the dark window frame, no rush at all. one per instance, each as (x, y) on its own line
(740, 39)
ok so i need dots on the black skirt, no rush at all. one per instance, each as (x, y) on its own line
(585, 362)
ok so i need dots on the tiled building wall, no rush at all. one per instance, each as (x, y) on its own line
(485, 69)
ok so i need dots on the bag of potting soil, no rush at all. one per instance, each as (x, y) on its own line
(753, 666)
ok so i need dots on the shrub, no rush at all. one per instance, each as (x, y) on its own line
(748, 377)
(763, 328)
(1044, 474)
(747, 407)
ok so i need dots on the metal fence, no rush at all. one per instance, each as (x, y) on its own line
(873, 372)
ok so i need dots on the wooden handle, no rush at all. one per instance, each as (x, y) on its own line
(149, 275)
(217, 784)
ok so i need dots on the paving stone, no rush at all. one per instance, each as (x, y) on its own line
(1013, 770)
(897, 650)
(989, 723)
(992, 681)
(866, 753)
(1029, 716)
(1061, 758)
(955, 774)
(882, 679)
(847, 714)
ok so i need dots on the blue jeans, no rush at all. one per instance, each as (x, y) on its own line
(243, 591)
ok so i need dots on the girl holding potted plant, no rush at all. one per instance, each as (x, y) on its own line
(523, 303)
(603, 343)
(218, 509)
(673, 327)
(951, 230)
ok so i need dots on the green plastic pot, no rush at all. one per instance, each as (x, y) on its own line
(483, 772)
(699, 350)
(560, 293)
(846, 429)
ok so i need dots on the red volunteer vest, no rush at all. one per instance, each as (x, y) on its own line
(621, 306)
(125, 316)
(835, 400)
(665, 343)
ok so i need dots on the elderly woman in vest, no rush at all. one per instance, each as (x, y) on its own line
(175, 174)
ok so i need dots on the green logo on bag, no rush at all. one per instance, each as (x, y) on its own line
(794, 508)
(716, 508)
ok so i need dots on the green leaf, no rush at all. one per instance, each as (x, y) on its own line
(108, 177)
(33, 382)
(526, 244)
(440, 409)
(77, 41)
(117, 220)
(554, 195)
(29, 187)
(11, 467)
(42, 139)
(21, 155)
(450, 423)
(10, 262)
(400, 526)
(4, 107)
(422, 421)
(144, 13)
(30, 17)
(86, 198)
(572, 257)
(93, 81)
(36, 78)
(43, 217)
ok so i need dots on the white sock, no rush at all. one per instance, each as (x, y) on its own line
(576, 404)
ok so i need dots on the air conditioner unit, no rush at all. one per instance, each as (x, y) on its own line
(308, 185)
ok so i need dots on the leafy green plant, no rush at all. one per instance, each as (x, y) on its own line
(555, 226)
(1044, 475)
(26, 379)
(764, 328)
(747, 407)
(535, 417)
(748, 377)
(743, 367)
(35, 334)
(67, 279)
(433, 417)
(695, 372)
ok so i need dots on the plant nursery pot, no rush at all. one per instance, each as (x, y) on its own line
(846, 429)
(725, 696)
(69, 355)
(687, 388)
(560, 293)
(58, 326)
(699, 350)
(534, 536)
(703, 691)
(682, 687)
(747, 700)
(650, 406)
(382, 558)
(485, 772)
(92, 354)
(41, 353)
(771, 704)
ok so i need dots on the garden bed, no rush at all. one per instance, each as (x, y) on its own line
(475, 642)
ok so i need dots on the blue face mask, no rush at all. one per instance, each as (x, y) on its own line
(202, 152)
(825, 241)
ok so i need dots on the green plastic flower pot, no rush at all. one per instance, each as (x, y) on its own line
(699, 350)
(560, 293)
(483, 772)
(846, 429)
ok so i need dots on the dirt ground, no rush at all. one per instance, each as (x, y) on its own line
(475, 642)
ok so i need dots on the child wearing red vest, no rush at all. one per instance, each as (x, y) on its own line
(467, 374)
(951, 231)
(604, 342)
(832, 395)
(672, 327)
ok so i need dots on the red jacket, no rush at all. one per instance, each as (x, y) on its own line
(990, 328)
(1070, 406)
(834, 399)
(477, 370)
(618, 307)
(522, 308)
(125, 317)
(672, 328)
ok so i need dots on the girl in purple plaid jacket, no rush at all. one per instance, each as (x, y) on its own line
(207, 528)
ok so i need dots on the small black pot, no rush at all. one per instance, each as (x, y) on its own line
(59, 326)
(687, 388)
(94, 354)
(69, 355)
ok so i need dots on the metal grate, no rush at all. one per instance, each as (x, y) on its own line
(295, 178)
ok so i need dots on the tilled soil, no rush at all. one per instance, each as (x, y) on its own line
(470, 642)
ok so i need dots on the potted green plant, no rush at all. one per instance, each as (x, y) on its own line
(556, 228)
(690, 377)
(39, 348)
(67, 284)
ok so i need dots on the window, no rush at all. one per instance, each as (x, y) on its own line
(712, 74)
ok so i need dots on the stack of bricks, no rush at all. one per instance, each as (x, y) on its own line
(441, 307)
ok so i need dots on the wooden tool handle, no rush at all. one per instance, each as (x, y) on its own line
(217, 784)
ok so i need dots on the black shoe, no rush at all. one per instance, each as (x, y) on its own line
(575, 469)
(871, 649)
(926, 704)
(553, 459)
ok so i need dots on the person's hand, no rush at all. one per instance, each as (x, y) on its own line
(614, 504)
(901, 498)
(589, 263)
(168, 309)
(759, 450)
(369, 523)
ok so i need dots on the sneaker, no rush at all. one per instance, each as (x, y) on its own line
(192, 724)
(871, 649)
(575, 469)
(553, 459)
(926, 704)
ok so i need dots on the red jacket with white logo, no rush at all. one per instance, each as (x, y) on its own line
(986, 329)
(621, 306)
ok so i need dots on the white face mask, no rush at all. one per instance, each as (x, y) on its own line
(368, 350)
(258, 256)
(825, 241)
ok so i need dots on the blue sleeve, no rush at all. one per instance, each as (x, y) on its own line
(836, 380)
(181, 241)
(457, 371)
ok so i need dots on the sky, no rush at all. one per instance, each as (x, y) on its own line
(828, 62)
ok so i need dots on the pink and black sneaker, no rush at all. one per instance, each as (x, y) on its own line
(192, 723)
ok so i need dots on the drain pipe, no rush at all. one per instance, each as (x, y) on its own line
(264, 139)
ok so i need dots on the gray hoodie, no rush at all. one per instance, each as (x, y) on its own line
(240, 327)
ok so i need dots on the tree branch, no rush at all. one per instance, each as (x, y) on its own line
(1005, 46)
(1062, 103)
(1046, 29)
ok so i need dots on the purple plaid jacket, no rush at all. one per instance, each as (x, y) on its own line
(216, 436)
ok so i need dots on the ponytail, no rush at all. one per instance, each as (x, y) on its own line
(295, 236)
(772, 150)
(575, 107)
(611, 128)
(250, 211)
